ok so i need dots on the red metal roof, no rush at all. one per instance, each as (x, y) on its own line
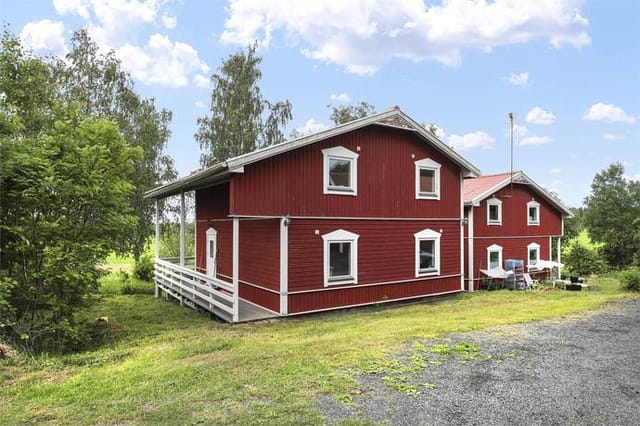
(475, 187)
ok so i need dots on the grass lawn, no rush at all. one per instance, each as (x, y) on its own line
(161, 363)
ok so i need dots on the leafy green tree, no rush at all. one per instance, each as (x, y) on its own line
(105, 90)
(574, 225)
(236, 124)
(612, 216)
(583, 260)
(345, 113)
(63, 202)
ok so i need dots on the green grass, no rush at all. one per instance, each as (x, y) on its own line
(160, 363)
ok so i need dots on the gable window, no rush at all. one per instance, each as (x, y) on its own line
(533, 255)
(427, 179)
(494, 212)
(427, 252)
(340, 257)
(340, 171)
(494, 256)
(533, 213)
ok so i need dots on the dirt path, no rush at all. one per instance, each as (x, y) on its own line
(565, 372)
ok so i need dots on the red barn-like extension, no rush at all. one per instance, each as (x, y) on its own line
(509, 217)
(367, 212)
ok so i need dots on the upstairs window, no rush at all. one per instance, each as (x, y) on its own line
(494, 256)
(494, 212)
(340, 258)
(427, 180)
(340, 171)
(533, 213)
(427, 253)
(533, 255)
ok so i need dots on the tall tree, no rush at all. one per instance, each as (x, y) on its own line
(237, 124)
(105, 90)
(63, 201)
(344, 113)
(612, 216)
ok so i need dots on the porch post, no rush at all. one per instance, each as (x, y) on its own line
(284, 265)
(236, 268)
(558, 251)
(157, 254)
(182, 228)
(470, 247)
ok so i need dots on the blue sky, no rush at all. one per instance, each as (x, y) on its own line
(568, 70)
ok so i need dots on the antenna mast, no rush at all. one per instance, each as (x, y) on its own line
(511, 131)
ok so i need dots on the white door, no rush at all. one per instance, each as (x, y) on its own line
(212, 250)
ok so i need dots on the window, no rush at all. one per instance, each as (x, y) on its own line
(533, 213)
(427, 179)
(533, 255)
(427, 253)
(494, 256)
(340, 258)
(494, 212)
(340, 169)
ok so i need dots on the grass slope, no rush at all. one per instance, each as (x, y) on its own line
(161, 363)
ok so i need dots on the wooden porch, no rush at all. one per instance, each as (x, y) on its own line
(200, 291)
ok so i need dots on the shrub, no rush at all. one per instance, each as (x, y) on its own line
(583, 260)
(144, 268)
(631, 279)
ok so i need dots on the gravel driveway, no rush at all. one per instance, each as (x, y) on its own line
(566, 372)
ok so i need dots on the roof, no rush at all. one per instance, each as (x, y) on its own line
(479, 188)
(220, 172)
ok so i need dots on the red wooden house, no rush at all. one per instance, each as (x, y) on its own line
(367, 212)
(509, 217)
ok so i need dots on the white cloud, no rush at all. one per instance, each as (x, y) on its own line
(162, 61)
(201, 80)
(440, 133)
(555, 171)
(44, 37)
(636, 177)
(612, 136)
(519, 131)
(363, 35)
(340, 97)
(78, 7)
(535, 140)
(538, 115)
(609, 113)
(169, 21)
(114, 24)
(520, 80)
(477, 139)
(311, 126)
(200, 104)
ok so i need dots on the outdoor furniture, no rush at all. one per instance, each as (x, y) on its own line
(529, 282)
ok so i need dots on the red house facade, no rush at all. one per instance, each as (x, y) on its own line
(509, 216)
(367, 212)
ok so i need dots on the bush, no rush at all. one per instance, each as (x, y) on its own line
(583, 260)
(631, 279)
(143, 270)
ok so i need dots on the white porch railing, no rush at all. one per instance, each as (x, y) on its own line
(194, 288)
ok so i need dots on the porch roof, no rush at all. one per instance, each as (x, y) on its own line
(220, 172)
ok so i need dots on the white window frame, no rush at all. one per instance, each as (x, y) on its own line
(493, 249)
(494, 202)
(428, 164)
(535, 222)
(533, 266)
(340, 153)
(424, 235)
(341, 236)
